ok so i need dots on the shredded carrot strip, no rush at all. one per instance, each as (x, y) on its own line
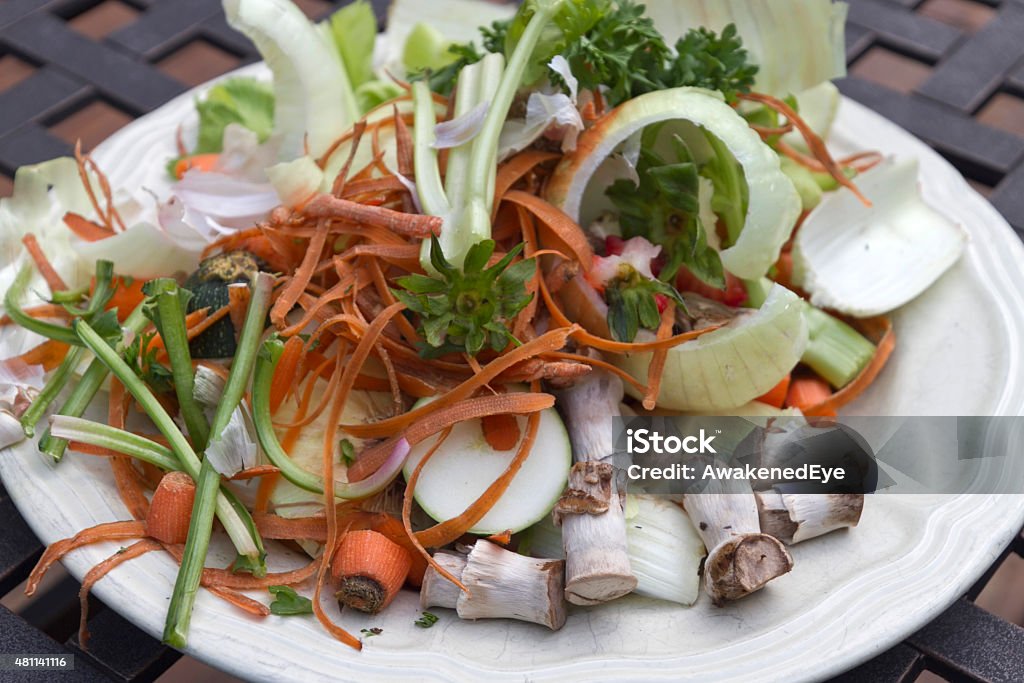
(405, 224)
(109, 531)
(876, 327)
(407, 498)
(599, 363)
(290, 294)
(512, 171)
(225, 578)
(559, 226)
(550, 341)
(49, 354)
(285, 374)
(253, 472)
(658, 358)
(126, 477)
(814, 143)
(242, 602)
(448, 531)
(46, 269)
(238, 303)
(97, 573)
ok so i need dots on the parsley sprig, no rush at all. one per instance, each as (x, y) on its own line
(468, 310)
(614, 44)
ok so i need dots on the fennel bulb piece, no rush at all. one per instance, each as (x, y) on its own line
(296, 182)
(465, 465)
(665, 550)
(732, 365)
(865, 261)
(773, 203)
(313, 98)
(796, 44)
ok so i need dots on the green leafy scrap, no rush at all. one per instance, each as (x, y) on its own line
(716, 62)
(354, 30)
(241, 100)
(465, 311)
(622, 50)
(664, 208)
(288, 603)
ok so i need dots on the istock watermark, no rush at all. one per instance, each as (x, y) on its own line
(695, 454)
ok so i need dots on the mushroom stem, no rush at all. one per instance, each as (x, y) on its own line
(501, 585)
(590, 513)
(741, 559)
(796, 517)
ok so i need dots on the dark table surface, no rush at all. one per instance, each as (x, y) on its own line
(949, 71)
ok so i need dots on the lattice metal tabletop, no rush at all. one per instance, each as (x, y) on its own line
(949, 71)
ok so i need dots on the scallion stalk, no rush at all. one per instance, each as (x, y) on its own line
(201, 526)
(86, 389)
(170, 301)
(61, 376)
(68, 428)
(186, 586)
(12, 307)
(236, 528)
(261, 416)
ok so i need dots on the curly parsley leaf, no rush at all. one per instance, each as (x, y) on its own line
(289, 603)
(665, 208)
(622, 50)
(468, 310)
(442, 80)
(716, 62)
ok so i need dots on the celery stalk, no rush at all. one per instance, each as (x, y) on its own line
(835, 350)
(470, 183)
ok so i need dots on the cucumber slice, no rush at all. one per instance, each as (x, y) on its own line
(465, 465)
(288, 499)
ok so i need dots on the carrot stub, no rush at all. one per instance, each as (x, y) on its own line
(776, 396)
(171, 508)
(369, 570)
(808, 391)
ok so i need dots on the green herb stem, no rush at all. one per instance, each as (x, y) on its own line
(170, 310)
(61, 376)
(12, 307)
(86, 389)
(186, 586)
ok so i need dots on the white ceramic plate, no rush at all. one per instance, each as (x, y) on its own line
(851, 596)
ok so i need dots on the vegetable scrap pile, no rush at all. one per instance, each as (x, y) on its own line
(367, 275)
